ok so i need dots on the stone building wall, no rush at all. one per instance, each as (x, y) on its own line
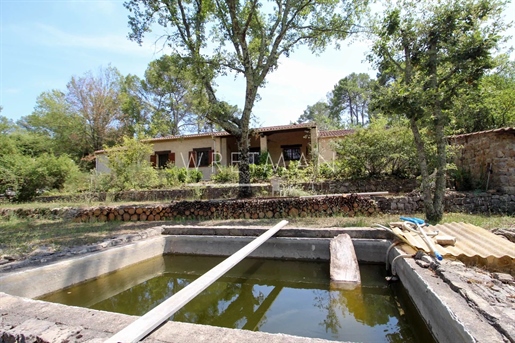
(481, 150)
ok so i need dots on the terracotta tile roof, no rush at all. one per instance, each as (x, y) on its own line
(224, 133)
(335, 133)
(285, 127)
(501, 130)
(193, 135)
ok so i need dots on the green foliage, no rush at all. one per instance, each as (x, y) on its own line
(183, 175)
(7, 146)
(460, 178)
(226, 175)
(320, 114)
(176, 176)
(171, 175)
(295, 172)
(195, 175)
(350, 98)
(6, 125)
(78, 181)
(259, 35)
(28, 166)
(31, 144)
(27, 176)
(130, 167)
(293, 191)
(172, 97)
(333, 171)
(375, 151)
(260, 172)
(60, 127)
(490, 105)
(81, 120)
(429, 55)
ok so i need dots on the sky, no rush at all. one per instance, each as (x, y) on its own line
(43, 43)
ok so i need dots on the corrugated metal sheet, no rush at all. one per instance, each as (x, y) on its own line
(473, 244)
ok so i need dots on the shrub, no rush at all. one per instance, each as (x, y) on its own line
(130, 166)
(296, 173)
(293, 191)
(333, 170)
(171, 175)
(27, 176)
(460, 178)
(378, 150)
(194, 175)
(226, 175)
(186, 175)
(260, 172)
(77, 181)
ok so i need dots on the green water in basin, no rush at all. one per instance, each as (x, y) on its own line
(276, 296)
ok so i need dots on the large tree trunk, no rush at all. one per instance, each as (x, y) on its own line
(441, 157)
(245, 190)
(441, 163)
(422, 161)
(433, 204)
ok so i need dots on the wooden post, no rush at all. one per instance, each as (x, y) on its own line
(144, 325)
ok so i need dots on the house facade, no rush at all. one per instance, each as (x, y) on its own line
(209, 151)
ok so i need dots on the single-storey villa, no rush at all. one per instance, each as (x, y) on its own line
(284, 143)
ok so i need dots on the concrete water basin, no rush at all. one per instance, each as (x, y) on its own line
(447, 315)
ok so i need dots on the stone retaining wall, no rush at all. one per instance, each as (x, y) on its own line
(391, 185)
(460, 202)
(235, 209)
(189, 192)
(217, 191)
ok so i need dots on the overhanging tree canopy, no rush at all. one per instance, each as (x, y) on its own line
(217, 37)
(429, 54)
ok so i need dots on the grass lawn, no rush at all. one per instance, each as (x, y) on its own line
(19, 237)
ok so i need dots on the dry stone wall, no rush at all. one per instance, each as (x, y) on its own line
(353, 205)
(191, 192)
(235, 209)
(458, 202)
(391, 185)
(213, 191)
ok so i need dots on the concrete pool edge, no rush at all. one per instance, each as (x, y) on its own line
(61, 274)
(448, 316)
(30, 320)
(446, 313)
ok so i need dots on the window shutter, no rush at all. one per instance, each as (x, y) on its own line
(191, 159)
(211, 152)
(153, 160)
(171, 157)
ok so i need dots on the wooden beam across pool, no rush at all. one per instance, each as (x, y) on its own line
(144, 325)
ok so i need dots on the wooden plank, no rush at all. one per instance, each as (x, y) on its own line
(144, 325)
(344, 267)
